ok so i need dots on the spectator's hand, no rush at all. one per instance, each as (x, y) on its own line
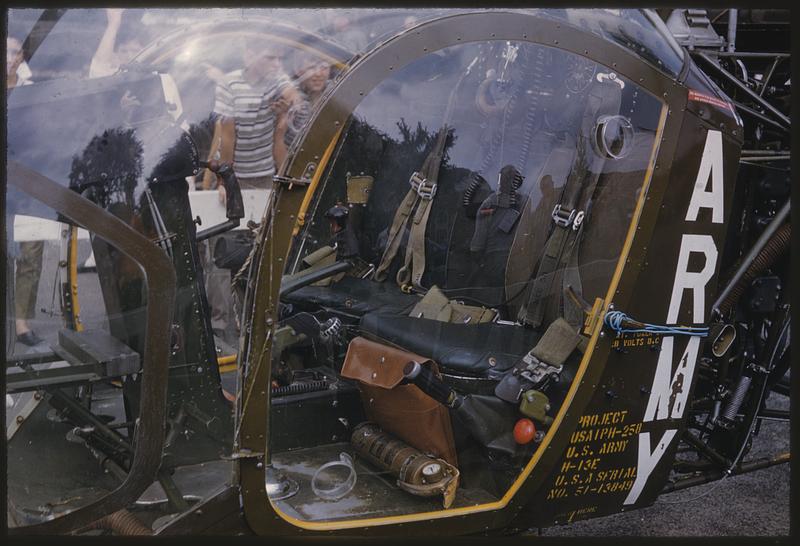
(280, 106)
(209, 180)
(114, 15)
(223, 196)
(128, 101)
(213, 73)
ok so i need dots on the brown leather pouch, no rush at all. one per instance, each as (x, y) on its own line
(401, 410)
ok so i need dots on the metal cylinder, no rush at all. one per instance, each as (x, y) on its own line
(405, 462)
(416, 472)
(732, 20)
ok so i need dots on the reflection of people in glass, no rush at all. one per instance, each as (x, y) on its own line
(250, 104)
(342, 29)
(29, 260)
(311, 77)
(110, 55)
(17, 70)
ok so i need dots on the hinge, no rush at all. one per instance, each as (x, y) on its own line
(290, 183)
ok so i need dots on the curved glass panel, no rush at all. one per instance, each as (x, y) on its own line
(476, 203)
(642, 33)
(70, 363)
(122, 107)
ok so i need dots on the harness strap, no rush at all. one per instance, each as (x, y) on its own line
(393, 242)
(420, 196)
(568, 221)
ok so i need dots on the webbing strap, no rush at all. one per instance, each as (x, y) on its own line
(573, 314)
(415, 249)
(556, 344)
(533, 312)
(568, 222)
(421, 194)
(393, 241)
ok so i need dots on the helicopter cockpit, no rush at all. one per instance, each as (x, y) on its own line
(470, 214)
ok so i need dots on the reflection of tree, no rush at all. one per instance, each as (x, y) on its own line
(419, 140)
(109, 167)
(391, 160)
(108, 170)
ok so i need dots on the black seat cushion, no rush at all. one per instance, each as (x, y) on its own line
(481, 350)
(354, 297)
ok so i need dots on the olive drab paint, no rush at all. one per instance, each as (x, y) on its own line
(668, 398)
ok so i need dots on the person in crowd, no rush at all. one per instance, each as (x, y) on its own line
(311, 76)
(28, 262)
(250, 106)
(116, 48)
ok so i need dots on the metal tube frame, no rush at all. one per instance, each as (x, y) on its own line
(749, 92)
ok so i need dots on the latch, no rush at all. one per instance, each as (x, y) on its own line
(290, 182)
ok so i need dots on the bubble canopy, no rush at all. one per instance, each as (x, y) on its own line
(437, 187)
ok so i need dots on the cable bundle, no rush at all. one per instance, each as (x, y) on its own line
(623, 324)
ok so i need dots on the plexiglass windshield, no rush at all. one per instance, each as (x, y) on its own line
(473, 209)
(123, 107)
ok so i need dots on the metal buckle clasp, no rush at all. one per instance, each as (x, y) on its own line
(562, 219)
(426, 190)
(536, 370)
(578, 221)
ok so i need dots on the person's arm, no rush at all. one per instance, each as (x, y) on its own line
(224, 140)
(227, 143)
(209, 178)
(11, 75)
(280, 107)
(103, 62)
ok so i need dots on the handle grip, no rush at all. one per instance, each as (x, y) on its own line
(424, 378)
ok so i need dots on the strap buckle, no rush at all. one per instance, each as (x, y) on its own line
(563, 218)
(536, 370)
(426, 190)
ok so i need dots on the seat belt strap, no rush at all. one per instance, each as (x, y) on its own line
(414, 260)
(568, 221)
(421, 195)
(395, 231)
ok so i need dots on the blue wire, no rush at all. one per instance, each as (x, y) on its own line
(616, 319)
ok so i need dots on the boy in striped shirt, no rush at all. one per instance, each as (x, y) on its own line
(250, 104)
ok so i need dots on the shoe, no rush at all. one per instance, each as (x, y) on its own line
(29, 338)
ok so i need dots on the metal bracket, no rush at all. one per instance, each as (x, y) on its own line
(563, 219)
(242, 454)
(426, 190)
(578, 221)
(536, 370)
(290, 182)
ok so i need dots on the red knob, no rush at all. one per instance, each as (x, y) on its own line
(524, 431)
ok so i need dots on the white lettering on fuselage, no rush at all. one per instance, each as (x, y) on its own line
(670, 391)
(711, 164)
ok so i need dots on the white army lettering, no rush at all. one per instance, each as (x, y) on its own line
(669, 392)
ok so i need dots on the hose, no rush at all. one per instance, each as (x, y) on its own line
(121, 522)
(775, 247)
